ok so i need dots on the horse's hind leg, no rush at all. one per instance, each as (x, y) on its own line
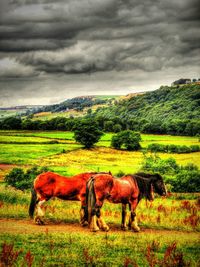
(39, 213)
(100, 221)
(124, 215)
(133, 220)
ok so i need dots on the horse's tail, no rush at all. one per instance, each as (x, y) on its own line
(33, 202)
(90, 199)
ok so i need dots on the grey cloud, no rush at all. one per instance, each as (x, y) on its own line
(10, 68)
(45, 37)
(22, 45)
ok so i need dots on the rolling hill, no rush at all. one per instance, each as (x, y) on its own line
(173, 109)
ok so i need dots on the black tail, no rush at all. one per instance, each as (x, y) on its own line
(90, 199)
(33, 202)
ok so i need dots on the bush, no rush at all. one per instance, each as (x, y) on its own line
(129, 139)
(181, 179)
(87, 133)
(186, 181)
(155, 147)
(23, 180)
(162, 166)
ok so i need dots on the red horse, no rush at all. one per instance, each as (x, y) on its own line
(50, 184)
(128, 189)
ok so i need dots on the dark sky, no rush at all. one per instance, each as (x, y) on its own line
(53, 50)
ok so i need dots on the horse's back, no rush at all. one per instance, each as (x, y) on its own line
(134, 189)
(46, 178)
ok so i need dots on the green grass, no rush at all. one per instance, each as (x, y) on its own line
(44, 134)
(86, 249)
(32, 153)
(65, 158)
(169, 139)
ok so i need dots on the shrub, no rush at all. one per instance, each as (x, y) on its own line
(163, 166)
(186, 181)
(129, 139)
(23, 180)
(180, 179)
(155, 147)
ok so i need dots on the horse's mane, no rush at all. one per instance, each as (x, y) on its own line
(149, 175)
(144, 185)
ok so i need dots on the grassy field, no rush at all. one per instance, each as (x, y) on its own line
(170, 227)
(66, 156)
(166, 223)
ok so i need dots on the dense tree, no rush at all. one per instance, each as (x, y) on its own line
(87, 132)
(168, 110)
(11, 123)
(127, 139)
(117, 128)
(108, 126)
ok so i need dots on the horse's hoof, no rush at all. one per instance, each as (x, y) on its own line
(124, 228)
(136, 229)
(105, 228)
(39, 221)
(95, 229)
(85, 223)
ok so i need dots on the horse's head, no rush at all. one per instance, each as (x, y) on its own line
(158, 184)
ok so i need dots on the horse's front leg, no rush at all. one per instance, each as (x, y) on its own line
(83, 216)
(124, 214)
(39, 213)
(83, 211)
(133, 220)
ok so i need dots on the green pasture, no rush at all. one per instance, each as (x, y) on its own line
(32, 153)
(67, 157)
(106, 138)
(42, 134)
(169, 139)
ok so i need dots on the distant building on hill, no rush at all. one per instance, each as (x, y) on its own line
(181, 81)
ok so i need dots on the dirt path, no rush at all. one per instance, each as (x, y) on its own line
(27, 226)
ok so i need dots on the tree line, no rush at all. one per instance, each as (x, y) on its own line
(168, 110)
(174, 127)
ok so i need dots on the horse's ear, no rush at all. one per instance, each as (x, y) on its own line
(110, 172)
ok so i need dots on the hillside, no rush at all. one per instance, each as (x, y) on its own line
(166, 110)
(76, 103)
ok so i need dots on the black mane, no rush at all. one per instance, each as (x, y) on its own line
(148, 175)
(144, 186)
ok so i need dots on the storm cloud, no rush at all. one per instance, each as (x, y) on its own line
(121, 40)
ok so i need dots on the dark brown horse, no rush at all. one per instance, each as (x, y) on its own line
(128, 189)
(50, 184)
